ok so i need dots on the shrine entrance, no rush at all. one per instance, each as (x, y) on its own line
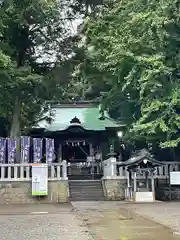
(82, 133)
(140, 183)
(82, 163)
(83, 156)
(75, 151)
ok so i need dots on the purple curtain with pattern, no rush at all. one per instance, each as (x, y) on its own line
(25, 148)
(11, 150)
(37, 150)
(50, 150)
(2, 150)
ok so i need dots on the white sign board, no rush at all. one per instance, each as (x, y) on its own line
(144, 197)
(39, 179)
(175, 178)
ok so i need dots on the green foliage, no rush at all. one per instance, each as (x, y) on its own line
(134, 45)
(4, 61)
(34, 36)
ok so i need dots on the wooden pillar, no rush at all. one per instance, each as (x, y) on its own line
(91, 149)
(60, 153)
(135, 183)
(128, 185)
(147, 179)
(153, 187)
(128, 178)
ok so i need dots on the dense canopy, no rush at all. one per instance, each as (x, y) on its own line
(126, 54)
(133, 55)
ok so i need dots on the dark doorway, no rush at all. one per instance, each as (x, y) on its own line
(75, 152)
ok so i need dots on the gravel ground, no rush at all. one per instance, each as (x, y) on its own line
(58, 224)
(90, 221)
(167, 214)
(113, 221)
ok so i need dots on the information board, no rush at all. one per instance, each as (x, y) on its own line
(175, 178)
(39, 179)
(144, 197)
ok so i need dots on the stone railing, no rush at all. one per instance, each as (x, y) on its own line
(23, 172)
(83, 168)
(115, 169)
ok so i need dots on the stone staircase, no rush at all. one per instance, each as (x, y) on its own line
(85, 190)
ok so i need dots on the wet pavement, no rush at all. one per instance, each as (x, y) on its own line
(165, 213)
(42, 222)
(89, 221)
(115, 220)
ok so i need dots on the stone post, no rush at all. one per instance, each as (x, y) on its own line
(64, 162)
(111, 164)
(59, 154)
(135, 183)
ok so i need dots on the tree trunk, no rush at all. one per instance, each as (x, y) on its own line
(15, 127)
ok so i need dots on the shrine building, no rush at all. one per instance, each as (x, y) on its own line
(80, 130)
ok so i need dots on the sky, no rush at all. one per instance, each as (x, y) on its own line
(70, 27)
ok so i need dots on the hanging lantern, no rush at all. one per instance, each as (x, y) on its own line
(84, 143)
(72, 144)
(123, 146)
(78, 143)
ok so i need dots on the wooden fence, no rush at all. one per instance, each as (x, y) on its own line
(115, 169)
(23, 172)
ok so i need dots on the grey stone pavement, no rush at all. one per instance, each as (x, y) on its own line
(165, 213)
(61, 221)
(41, 222)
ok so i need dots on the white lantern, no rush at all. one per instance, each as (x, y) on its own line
(145, 161)
(120, 134)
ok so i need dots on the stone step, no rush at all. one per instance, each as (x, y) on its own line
(86, 190)
(85, 182)
(86, 196)
(85, 199)
(85, 187)
(84, 177)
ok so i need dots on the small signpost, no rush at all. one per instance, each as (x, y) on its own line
(39, 179)
(175, 178)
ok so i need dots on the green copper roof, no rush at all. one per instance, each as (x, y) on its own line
(88, 116)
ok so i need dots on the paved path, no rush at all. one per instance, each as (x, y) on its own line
(115, 220)
(167, 214)
(89, 221)
(25, 223)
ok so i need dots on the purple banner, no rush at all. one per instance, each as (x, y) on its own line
(37, 150)
(11, 150)
(49, 150)
(2, 150)
(25, 148)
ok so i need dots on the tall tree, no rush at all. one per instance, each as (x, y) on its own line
(135, 46)
(34, 35)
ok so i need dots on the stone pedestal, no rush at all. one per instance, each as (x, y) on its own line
(114, 188)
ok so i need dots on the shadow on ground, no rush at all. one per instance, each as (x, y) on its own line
(117, 224)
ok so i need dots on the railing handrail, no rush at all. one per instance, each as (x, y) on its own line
(23, 171)
(28, 164)
(163, 163)
(114, 168)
